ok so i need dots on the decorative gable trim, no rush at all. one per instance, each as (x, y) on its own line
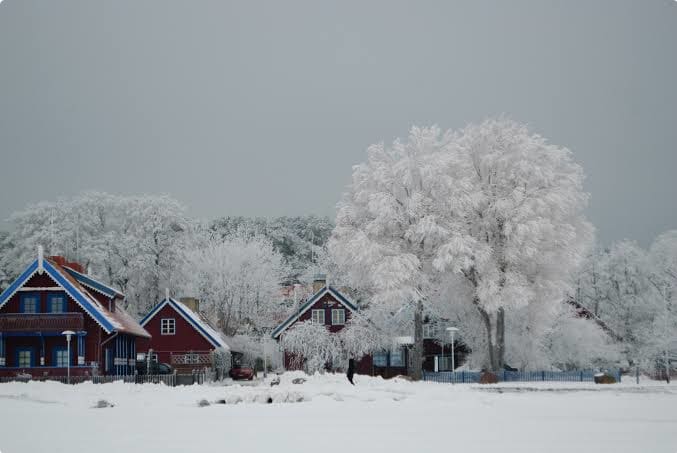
(94, 284)
(72, 291)
(309, 303)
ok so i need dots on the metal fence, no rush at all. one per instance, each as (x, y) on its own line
(473, 377)
(167, 379)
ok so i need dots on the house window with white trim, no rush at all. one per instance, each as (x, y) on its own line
(56, 303)
(30, 303)
(24, 358)
(60, 357)
(317, 316)
(338, 316)
(430, 330)
(168, 326)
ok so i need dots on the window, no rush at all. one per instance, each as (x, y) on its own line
(381, 358)
(397, 356)
(56, 303)
(168, 326)
(60, 357)
(338, 316)
(318, 316)
(24, 358)
(30, 303)
(430, 330)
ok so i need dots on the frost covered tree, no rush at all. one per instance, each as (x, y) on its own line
(237, 279)
(493, 204)
(300, 240)
(133, 242)
(663, 278)
(313, 346)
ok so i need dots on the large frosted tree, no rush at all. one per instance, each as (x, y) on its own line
(237, 278)
(492, 207)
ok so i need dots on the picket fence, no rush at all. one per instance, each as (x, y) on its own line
(473, 377)
(167, 379)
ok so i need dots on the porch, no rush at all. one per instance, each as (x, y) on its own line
(33, 343)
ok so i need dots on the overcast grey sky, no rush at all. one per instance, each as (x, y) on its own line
(261, 108)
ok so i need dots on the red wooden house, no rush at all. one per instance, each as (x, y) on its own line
(181, 336)
(52, 296)
(327, 306)
(333, 308)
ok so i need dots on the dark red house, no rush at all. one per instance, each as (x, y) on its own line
(181, 336)
(333, 308)
(327, 306)
(52, 296)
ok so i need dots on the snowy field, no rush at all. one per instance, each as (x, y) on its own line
(327, 414)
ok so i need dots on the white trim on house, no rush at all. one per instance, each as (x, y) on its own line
(339, 297)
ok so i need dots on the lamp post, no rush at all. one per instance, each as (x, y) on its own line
(452, 331)
(69, 334)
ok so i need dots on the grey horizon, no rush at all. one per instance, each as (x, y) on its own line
(262, 108)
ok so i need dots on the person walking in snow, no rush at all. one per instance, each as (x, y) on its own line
(351, 370)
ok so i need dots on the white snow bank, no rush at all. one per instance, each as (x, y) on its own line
(330, 415)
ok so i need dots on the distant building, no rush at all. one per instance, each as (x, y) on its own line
(327, 306)
(181, 336)
(333, 308)
(51, 296)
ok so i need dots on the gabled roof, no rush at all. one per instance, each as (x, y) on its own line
(118, 321)
(195, 319)
(94, 284)
(343, 300)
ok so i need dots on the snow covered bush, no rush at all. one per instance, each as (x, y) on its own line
(313, 346)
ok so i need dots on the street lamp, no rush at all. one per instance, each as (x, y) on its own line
(69, 334)
(452, 331)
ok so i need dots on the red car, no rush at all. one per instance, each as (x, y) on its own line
(241, 373)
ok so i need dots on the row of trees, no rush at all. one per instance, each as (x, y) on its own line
(144, 244)
(483, 227)
(632, 293)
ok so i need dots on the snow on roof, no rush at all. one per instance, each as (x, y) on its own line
(198, 321)
(110, 322)
(342, 299)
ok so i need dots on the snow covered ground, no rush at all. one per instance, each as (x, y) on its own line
(327, 414)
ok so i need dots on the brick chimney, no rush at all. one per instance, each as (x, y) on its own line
(319, 282)
(192, 303)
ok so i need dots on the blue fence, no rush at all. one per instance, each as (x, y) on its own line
(473, 377)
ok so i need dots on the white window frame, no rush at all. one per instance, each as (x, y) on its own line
(313, 316)
(430, 330)
(21, 357)
(337, 313)
(168, 326)
(61, 358)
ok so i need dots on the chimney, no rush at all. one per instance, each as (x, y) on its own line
(319, 282)
(77, 267)
(192, 303)
(60, 260)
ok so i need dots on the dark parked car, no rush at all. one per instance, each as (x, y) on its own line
(241, 373)
(143, 367)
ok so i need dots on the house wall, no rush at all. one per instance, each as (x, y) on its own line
(326, 303)
(186, 339)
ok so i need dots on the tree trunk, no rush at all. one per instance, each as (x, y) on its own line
(500, 339)
(495, 331)
(417, 351)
